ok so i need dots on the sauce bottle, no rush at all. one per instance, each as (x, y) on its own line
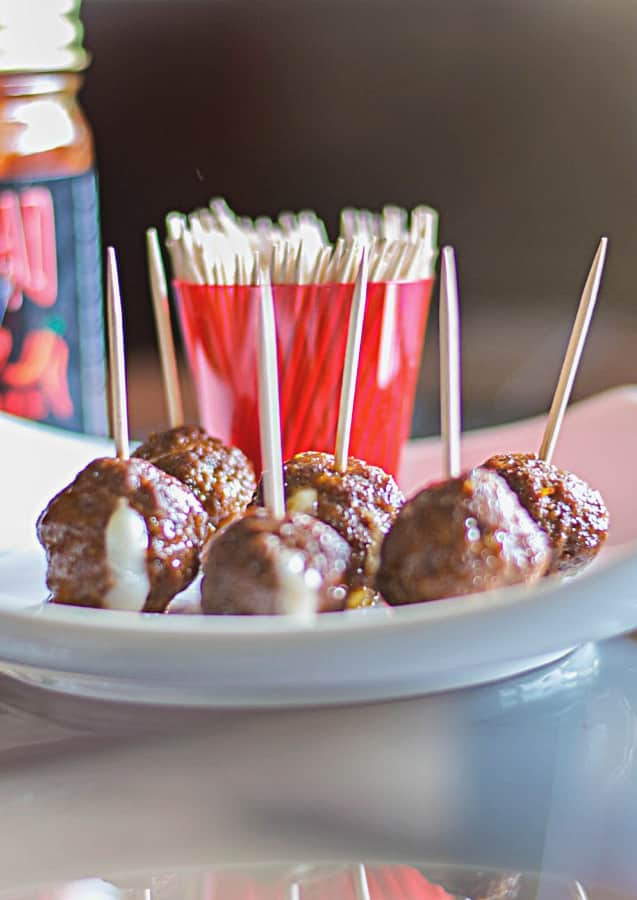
(51, 321)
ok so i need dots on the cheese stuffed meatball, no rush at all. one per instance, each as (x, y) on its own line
(260, 565)
(360, 504)
(460, 536)
(571, 514)
(123, 535)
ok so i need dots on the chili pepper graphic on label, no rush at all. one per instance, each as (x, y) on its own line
(40, 372)
(27, 246)
(6, 343)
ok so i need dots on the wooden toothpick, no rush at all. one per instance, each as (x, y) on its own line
(361, 886)
(116, 357)
(269, 414)
(167, 356)
(350, 369)
(573, 354)
(450, 379)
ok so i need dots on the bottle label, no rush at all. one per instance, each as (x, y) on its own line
(51, 312)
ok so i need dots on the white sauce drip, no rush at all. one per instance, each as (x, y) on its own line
(305, 500)
(298, 587)
(126, 542)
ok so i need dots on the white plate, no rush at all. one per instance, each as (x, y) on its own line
(341, 657)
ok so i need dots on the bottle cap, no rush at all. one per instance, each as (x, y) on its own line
(41, 36)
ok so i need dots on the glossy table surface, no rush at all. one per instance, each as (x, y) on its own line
(534, 774)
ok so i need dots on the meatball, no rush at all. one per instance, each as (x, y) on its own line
(220, 477)
(484, 885)
(260, 565)
(123, 535)
(360, 503)
(460, 536)
(571, 513)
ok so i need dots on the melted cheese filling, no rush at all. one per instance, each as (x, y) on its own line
(304, 500)
(126, 543)
(298, 593)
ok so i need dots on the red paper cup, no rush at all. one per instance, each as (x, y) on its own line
(219, 326)
(385, 882)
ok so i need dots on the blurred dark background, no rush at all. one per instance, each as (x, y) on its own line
(515, 120)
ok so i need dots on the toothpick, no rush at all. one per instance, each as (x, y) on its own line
(407, 264)
(288, 222)
(175, 224)
(174, 227)
(201, 260)
(573, 354)
(398, 260)
(295, 262)
(450, 384)
(424, 225)
(309, 217)
(348, 223)
(377, 263)
(348, 263)
(299, 269)
(361, 887)
(116, 357)
(394, 223)
(338, 250)
(385, 369)
(283, 275)
(367, 224)
(322, 264)
(394, 260)
(350, 369)
(419, 267)
(269, 414)
(176, 261)
(191, 264)
(168, 359)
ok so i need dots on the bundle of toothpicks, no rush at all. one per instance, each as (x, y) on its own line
(215, 246)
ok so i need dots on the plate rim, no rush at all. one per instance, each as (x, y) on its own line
(427, 612)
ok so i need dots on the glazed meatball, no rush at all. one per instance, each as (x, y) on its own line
(571, 513)
(484, 885)
(360, 503)
(260, 565)
(460, 536)
(123, 535)
(220, 477)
